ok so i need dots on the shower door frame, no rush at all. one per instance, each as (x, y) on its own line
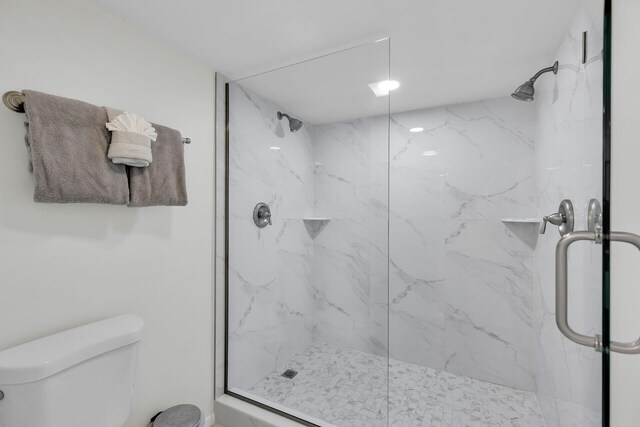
(606, 210)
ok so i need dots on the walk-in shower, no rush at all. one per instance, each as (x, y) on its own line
(383, 262)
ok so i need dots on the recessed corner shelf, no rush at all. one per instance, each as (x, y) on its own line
(525, 228)
(315, 224)
(521, 220)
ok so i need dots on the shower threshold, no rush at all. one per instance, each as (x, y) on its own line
(348, 388)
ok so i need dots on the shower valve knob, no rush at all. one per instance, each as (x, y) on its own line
(555, 219)
(266, 216)
(262, 215)
(564, 218)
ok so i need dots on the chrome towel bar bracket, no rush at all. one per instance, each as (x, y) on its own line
(14, 101)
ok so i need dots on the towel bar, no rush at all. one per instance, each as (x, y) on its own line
(14, 101)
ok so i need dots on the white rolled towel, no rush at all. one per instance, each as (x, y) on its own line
(130, 139)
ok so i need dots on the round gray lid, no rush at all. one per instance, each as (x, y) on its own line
(179, 416)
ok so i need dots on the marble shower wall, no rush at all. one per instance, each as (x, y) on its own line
(569, 165)
(270, 275)
(451, 255)
(350, 268)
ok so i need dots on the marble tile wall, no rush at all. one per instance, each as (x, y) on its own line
(270, 272)
(451, 256)
(350, 268)
(569, 165)
(299, 280)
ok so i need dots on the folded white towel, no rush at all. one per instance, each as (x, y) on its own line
(130, 139)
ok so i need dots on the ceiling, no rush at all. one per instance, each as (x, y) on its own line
(442, 51)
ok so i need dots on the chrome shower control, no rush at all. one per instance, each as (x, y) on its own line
(555, 219)
(564, 218)
(262, 215)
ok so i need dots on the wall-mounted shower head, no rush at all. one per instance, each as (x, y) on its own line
(294, 124)
(526, 90)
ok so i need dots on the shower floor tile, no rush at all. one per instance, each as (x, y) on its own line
(348, 388)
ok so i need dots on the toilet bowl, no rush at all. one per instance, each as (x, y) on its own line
(77, 378)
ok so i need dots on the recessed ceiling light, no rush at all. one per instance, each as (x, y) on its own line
(416, 130)
(430, 153)
(384, 87)
(274, 148)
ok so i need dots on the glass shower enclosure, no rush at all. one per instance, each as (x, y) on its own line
(308, 236)
(387, 266)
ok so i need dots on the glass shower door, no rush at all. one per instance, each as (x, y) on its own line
(473, 296)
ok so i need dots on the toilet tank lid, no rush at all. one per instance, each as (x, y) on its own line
(46, 356)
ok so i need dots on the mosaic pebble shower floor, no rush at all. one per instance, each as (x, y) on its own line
(348, 388)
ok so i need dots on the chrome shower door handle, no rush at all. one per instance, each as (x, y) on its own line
(562, 291)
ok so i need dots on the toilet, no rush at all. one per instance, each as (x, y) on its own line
(82, 377)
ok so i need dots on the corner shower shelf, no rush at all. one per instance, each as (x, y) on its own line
(315, 225)
(520, 220)
(525, 228)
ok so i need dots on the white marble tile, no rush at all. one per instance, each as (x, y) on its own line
(488, 266)
(449, 269)
(351, 169)
(341, 277)
(351, 253)
(562, 413)
(489, 160)
(417, 181)
(270, 269)
(282, 178)
(417, 297)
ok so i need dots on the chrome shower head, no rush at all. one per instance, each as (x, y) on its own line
(294, 124)
(525, 91)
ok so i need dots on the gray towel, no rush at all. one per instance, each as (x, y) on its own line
(162, 183)
(68, 143)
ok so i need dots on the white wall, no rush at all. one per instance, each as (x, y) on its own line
(625, 209)
(65, 265)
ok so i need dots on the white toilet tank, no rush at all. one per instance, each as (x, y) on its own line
(82, 377)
